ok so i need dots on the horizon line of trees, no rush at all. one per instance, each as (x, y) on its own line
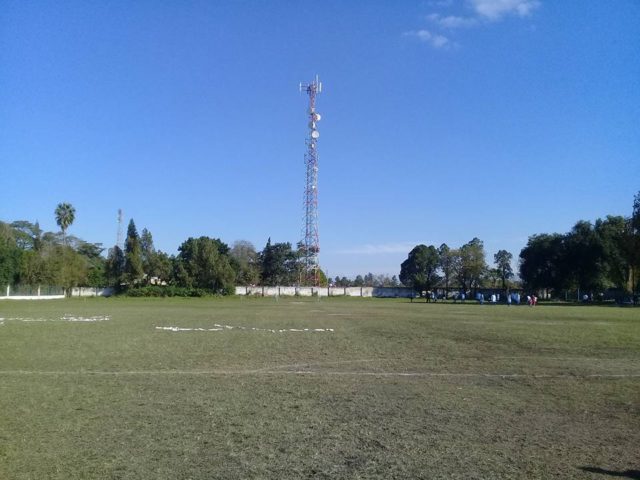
(427, 268)
(31, 256)
(591, 257)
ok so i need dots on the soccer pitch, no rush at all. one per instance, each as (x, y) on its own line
(253, 388)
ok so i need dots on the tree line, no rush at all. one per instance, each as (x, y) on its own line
(592, 257)
(464, 268)
(31, 256)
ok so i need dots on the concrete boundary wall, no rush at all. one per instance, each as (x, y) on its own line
(378, 292)
(33, 293)
(32, 297)
(92, 292)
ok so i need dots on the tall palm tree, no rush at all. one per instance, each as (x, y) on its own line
(65, 215)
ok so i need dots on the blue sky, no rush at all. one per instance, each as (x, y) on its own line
(441, 121)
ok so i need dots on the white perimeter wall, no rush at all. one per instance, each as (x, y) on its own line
(389, 292)
(91, 292)
(33, 297)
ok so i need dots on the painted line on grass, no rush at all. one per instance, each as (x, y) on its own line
(221, 328)
(318, 373)
(65, 318)
(307, 365)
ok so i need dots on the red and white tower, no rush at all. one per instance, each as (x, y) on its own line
(311, 242)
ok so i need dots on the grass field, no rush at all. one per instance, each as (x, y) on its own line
(396, 390)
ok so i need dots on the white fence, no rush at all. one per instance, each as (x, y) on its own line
(51, 293)
(35, 293)
(384, 292)
(92, 291)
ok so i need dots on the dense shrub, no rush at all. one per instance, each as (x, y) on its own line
(169, 291)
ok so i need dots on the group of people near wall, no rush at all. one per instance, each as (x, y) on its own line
(495, 298)
(513, 297)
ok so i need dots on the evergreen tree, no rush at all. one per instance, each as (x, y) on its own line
(279, 264)
(114, 268)
(502, 260)
(147, 253)
(133, 268)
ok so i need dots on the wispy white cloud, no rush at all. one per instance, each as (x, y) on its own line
(452, 21)
(434, 39)
(497, 9)
(479, 13)
(372, 249)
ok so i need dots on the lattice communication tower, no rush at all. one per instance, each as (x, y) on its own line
(311, 242)
(119, 241)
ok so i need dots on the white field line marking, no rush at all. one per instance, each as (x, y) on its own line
(313, 364)
(65, 318)
(220, 328)
(319, 373)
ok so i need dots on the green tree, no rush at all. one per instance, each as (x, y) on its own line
(33, 269)
(161, 266)
(65, 215)
(69, 269)
(114, 267)
(147, 252)
(446, 260)
(201, 264)
(419, 270)
(543, 262)
(369, 280)
(470, 264)
(633, 245)
(92, 254)
(245, 262)
(28, 235)
(502, 259)
(133, 268)
(612, 232)
(10, 256)
(491, 278)
(279, 264)
(585, 257)
(323, 281)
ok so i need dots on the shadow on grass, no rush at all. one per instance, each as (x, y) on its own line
(633, 474)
